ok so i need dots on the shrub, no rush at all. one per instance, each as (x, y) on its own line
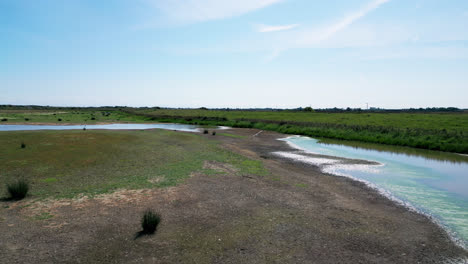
(23, 145)
(4, 119)
(18, 189)
(214, 133)
(60, 119)
(26, 119)
(93, 118)
(205, 131)
(150, 222)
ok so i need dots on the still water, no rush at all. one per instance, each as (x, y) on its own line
(431, 182)
(178, 127)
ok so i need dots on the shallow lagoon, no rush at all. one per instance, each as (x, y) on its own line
(178, 127)
(435, 184)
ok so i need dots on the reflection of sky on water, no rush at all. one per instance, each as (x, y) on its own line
(179, 127)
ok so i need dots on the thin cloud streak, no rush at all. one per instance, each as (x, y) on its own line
(313, 36)
(269, 28)
(193, 11)
(348, 20)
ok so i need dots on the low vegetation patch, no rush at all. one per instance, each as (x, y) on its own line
(150, 222)
(231, 135)
(43, 216)
(18, 190)
(49, 180)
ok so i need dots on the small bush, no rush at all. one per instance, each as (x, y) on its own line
(205, 131)
(18, 189)
(26, 119)
(93, 118)
(4, 119)
(150, 222)
(214, 133)
(60, 119)
(84, 128)
(23, 145)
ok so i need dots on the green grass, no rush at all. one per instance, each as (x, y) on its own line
(434, 131)
(43, 216)
(64, 164)
(448, 121)
(49, 180)
(68, 116)
(231, 135)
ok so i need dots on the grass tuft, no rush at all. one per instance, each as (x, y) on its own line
(214, 133)
(150, 222)
(23, 145)
(18, 189)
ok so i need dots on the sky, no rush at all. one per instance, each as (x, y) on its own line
(235, 53)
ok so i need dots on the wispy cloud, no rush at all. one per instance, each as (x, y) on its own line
(328, 31)
(191, 11)
(269, 28)
(313, 36)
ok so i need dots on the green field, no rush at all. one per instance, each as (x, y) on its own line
(444, 131)
(83, 116)
(435, 131)
(68, 163)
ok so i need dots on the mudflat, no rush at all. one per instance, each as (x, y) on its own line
(292, 214)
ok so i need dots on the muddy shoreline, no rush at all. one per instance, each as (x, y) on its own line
(264, 144)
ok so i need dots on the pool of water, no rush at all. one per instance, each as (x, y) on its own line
(431, 184)
(178, 127)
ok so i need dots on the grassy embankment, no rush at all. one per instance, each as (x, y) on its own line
(434, 131)
(62, 164)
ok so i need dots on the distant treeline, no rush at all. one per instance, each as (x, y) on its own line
(57, 108)
(299, 109)
(382, 110)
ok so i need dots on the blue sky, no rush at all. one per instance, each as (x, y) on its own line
(242, 53)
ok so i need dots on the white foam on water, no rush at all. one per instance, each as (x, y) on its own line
(306, 159)
(368, 168)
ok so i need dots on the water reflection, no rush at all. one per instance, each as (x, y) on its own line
(428, 154)
(178, 127)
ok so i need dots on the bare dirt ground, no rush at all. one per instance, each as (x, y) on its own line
(296, 214)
